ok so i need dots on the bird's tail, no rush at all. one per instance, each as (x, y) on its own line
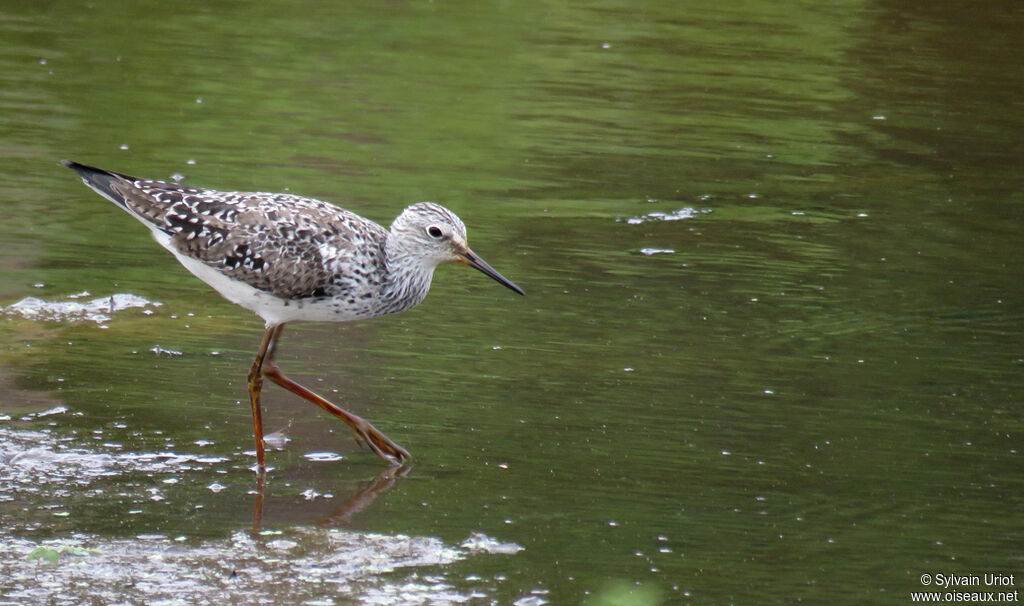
(106, 183)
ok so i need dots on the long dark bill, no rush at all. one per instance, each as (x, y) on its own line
(470, 258)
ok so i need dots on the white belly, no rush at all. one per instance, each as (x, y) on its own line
(272, 309)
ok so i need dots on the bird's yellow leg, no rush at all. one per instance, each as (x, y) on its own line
(379, 443)
(256, 387)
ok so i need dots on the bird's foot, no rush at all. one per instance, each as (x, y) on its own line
(380, 444)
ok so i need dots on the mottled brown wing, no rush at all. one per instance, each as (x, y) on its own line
(283, 244)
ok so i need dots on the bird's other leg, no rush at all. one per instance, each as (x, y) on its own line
(379, 443)
(256, 386)
(257, 505)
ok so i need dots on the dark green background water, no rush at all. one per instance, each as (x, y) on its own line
(815, 396)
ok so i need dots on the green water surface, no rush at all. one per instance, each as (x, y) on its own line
(770, 352)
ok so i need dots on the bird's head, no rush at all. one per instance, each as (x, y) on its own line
(435, 234)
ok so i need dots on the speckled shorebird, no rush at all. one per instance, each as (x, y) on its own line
(290, 259)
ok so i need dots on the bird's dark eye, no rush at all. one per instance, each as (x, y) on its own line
(435, 232)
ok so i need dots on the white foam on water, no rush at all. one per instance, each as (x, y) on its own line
(99, 309)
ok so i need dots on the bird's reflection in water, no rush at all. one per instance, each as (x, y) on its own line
(364, 494)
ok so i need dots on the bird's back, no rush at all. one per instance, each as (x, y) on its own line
(286, 245)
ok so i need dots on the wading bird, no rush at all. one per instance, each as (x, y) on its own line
(290, 259)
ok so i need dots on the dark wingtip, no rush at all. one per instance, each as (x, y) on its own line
(103, 182)
(81, 169)
(72, 165)
(86, 170)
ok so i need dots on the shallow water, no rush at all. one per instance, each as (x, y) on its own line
(769, 352)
